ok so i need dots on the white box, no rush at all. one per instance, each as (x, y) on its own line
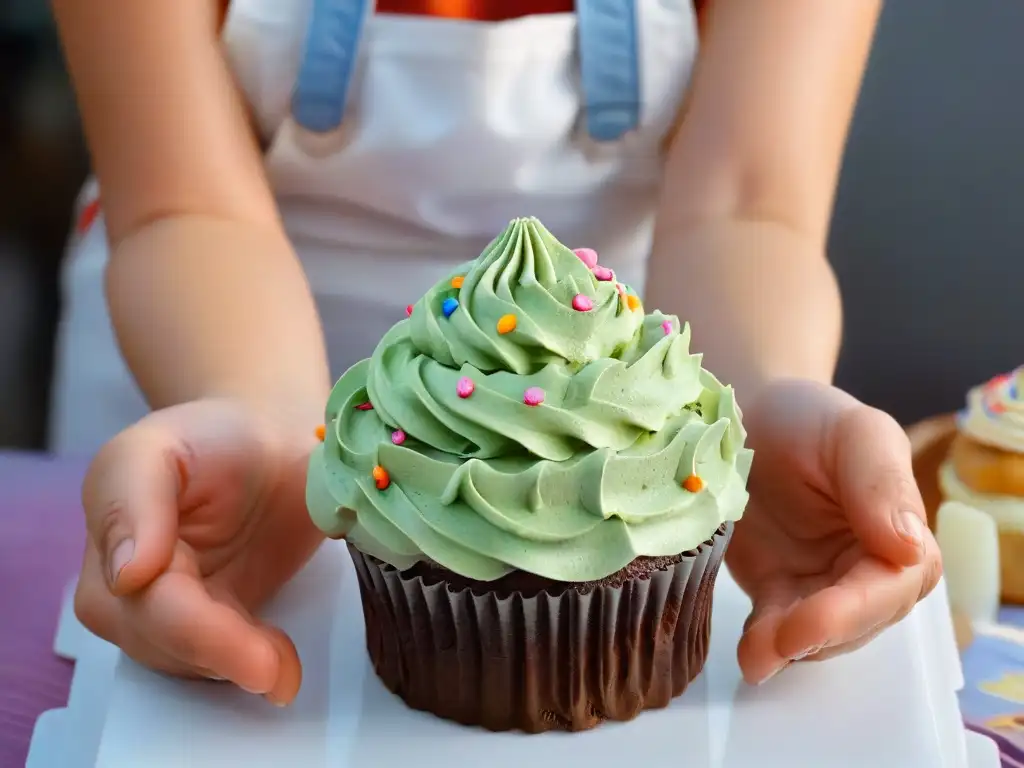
(891, 704)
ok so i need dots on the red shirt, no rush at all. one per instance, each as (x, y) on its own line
(481, 10)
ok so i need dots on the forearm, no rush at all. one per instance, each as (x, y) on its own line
(750, 179)
(761, 299)
(205, 307)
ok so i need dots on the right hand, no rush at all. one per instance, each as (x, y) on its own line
(196, 516)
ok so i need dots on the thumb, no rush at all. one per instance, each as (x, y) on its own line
(874, 482)
(131, 511)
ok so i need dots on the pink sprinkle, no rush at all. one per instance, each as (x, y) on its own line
(367, 406)
(398, 437)
(667, 327)
(603, 273)
(408, 310)
(533, 396)
(621, 289)
(465, 387)
(582, 303)
(588, 256)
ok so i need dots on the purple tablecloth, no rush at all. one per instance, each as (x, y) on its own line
(993, 698)
(41, 535)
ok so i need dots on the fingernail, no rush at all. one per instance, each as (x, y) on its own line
(809, 651)
(275, 701)
(120, 557)
(773, 673)
(910, 528)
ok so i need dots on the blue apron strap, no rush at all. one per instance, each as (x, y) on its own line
(328, 62)
(610, 66)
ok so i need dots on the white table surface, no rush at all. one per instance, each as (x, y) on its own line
(891, 704)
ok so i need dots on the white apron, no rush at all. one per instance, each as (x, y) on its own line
(399, 146)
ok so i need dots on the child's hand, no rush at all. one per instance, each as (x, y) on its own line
(196, 516)
(833, 547)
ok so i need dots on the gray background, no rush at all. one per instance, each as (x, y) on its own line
(929, 222)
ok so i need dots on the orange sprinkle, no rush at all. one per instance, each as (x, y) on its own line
(321, 433)
(507, 324)
(633, 301)
(381, 477)
(458, 281)
(693, 484)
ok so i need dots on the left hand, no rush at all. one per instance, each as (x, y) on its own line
(834, 546)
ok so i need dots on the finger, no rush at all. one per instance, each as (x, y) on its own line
(931, 568)
(180, 619)
(872, 595)
(101, 613)
(175, 626)
(931, 572)
(830, 652)
(289, 676)
(757, 656)
(876, 486)
(130, 499)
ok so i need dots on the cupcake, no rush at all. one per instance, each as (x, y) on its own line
(537, 482)
(985, 469)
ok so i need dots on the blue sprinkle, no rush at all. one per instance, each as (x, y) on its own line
(448, 306)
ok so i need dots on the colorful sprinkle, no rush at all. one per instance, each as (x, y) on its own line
(621, 289)
(604, 274)
(367, 406)
(381, 478)
(408, 310)
(458, 281)
(506, 324)
(693, 484)
(588, 256)
(667, 327)
(321, 432)
(633, 301)
(398, 437)
(995, 381)
(582, 303)
(533, 396)
(448, 306)
(465, 387)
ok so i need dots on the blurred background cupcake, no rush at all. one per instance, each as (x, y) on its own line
(985, 469)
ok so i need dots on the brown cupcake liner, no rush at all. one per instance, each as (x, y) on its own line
(565, 658)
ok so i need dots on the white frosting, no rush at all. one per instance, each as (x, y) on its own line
(1007, 511)
(995, 412)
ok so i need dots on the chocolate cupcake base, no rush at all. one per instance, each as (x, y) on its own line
(523, 653)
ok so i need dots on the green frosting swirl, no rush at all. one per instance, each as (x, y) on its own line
(571, 489)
